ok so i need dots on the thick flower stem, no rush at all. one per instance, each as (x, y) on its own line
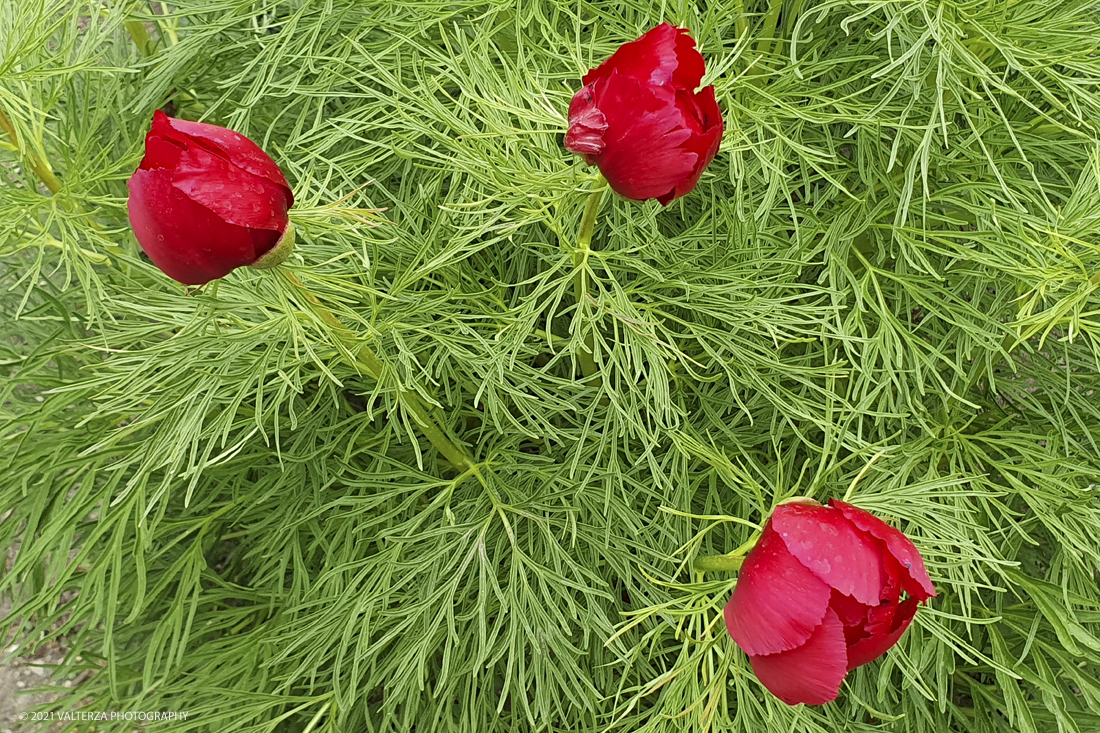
(45, 174)
(709, 563)
(580, 273)
(147, 46)
(375, 367)
(36, 164)
(768, 41)
(741, 25)
(141, 37)
(730, 562)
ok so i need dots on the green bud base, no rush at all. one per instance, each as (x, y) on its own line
(277, 255)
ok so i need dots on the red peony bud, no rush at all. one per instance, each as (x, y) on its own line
(639, 118)
(820, 595)
(206, 200)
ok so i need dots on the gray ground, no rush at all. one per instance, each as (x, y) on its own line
(18, 676)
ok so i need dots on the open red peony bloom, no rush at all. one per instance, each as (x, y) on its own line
(639, 118)
(820, 594)
(205, 200)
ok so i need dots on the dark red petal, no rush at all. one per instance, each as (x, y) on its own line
(811, 673)
(235, 195)
(586, 124)
(777, 603)
(852, 614)
(895, 573)
(915, 580)
(708, 110)
(237, 148)
(880, 619)
(833, 550)
(643, 157)
(664, 56)
(873, 647)
(850, 611)
(161, 122)
(187, 241)
(263, 240)
(160, 152)
(689, 110)
(704, 144)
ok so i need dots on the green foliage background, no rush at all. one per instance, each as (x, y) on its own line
(886, 286)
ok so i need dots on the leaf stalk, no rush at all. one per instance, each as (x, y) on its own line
(38, 166)
(580, 274)
(365, 357)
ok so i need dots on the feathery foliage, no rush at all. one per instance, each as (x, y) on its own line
(885, 288)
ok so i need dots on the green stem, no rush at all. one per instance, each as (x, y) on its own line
(45, 174)
(36, 164)
(771, 23)
(792, 18)
(741, 25)
(717, 563)
(375, 367)
(141, 37)
(147, 46)
(580, 273)
(731, 562)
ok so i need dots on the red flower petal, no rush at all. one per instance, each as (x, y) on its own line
(161, 152)
(586, 125)
(705, 144)
(263, 240)
(811, 673)
(777, 603)
(826, 543)
(664, 56)
(851, 612)
(186, 240)
(640, 120)
(642, 157)
(235, 195)
(873, 647)
(710, 114)
(880, 619)
(915, 578)
(236, 148)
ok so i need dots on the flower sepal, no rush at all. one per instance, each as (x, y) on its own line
(278, 254)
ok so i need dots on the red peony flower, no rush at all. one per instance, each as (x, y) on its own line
(206, 200)
(820, 594)
(639, 118)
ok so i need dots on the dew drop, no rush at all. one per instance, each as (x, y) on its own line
(160, 237)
